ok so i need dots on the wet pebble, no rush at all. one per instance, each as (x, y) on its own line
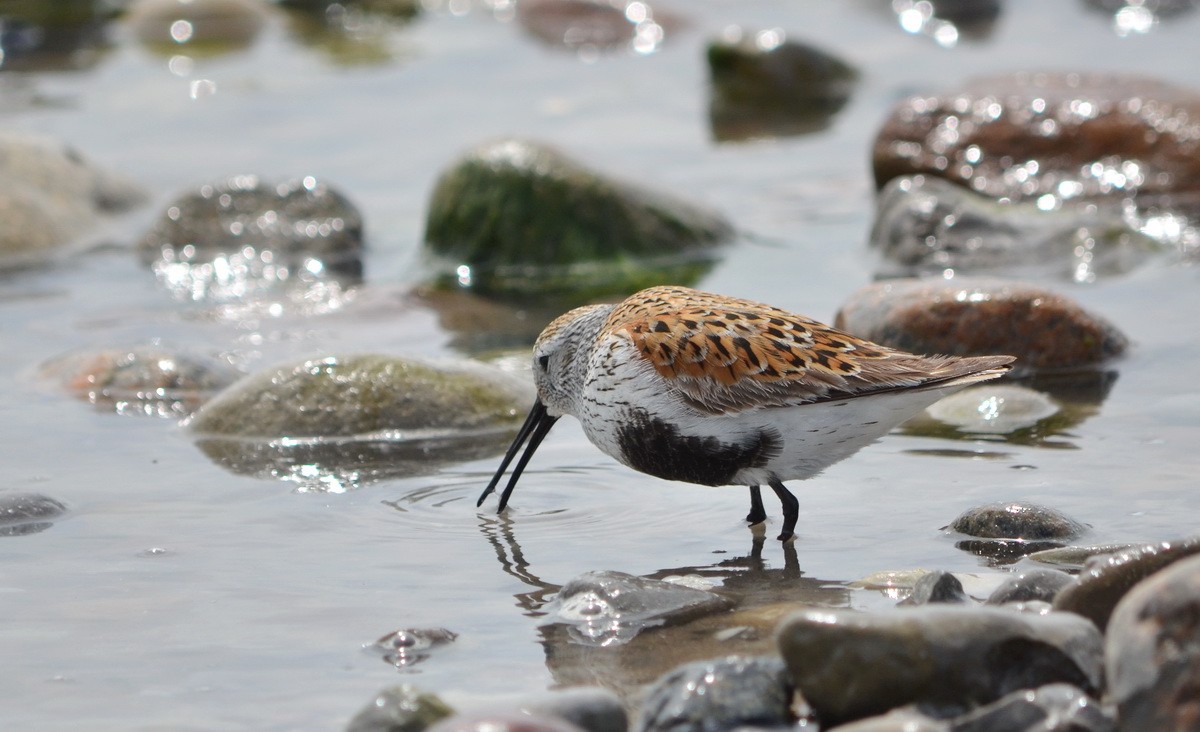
(244, 236)
(849, 665)
(203, 25)
(928, 226)
(402, 708)
(717, 695)
(978, 316)
(28, 513)
(520, 220)
(591, 708)
(765, 84)
(1153, 651)
(1071, 135)
(588, 26)
(1052, 707)
(608, 608)
(937, 587)
(152, 379)
(1016, 520)
(409, 646)
(1030, 584)
(1106, 578)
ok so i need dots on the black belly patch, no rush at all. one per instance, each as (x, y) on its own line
(656, 447)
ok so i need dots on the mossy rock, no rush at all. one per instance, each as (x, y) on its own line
(521, 220)
(364, 395)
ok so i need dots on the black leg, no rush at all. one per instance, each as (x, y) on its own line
(791, 509)
(757, 513)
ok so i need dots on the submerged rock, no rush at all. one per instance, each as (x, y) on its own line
(969, 316)
(151, 379)
(1153, 651)
(607, 608)
(766, 85)
(947, 659)
(402, 708)
(335, 423)
(1062, 135)
(1031, 585)
(937, 587)
(1073, 558)
(351, 32)
(591, 708)
(717, 695)
(928, 226)
(409, 646)
(200, 26)
(1106, 578)
(244, 237)
(27, 513)
(1016, 520)
(591, 25)
(521, 220)
(51, 196)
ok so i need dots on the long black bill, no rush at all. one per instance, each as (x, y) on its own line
(536, 426)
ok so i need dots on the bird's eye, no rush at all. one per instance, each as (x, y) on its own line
(544, 362)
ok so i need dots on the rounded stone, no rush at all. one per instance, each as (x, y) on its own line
(1027, 585)
(504, 722)
(1153, 650)
(979, 316)
(172, 26)
(521, 220)
(403, 648)
(717, 695)
(591, 25)
(1016, 520)
(1106, 578)
(27, 513)
(591, 708)
(1051, 707)
(936, 587)
(402, 708)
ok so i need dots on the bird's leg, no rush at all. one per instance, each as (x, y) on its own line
(791, 509)
(757, 513)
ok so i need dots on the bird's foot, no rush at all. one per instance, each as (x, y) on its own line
(756, 517)
(787, 537)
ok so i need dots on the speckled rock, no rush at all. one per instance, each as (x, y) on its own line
(409, 646)
(27, 513)
(608, 608)
(927, 226)
(936, 587)
(1153, 651)
(717, 695)
(764, 84)
(51, 196)
(968, 316)
(1052, 707)
(152, 379)
(210, 26)
(243, 237)
(1016, 520)
(1106, 578)
(591, 708)
(1031, 584)
(587, 26)
(402, 708)
(1063, 135)
(521, 220)
(850, 665)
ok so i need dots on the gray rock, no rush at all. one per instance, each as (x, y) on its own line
(1153, 651)
(409, 646)
(402, 708)
(1073, 558)
(979, 316)
(936, 587)
(1016, 520)
(521, 220)
(1051, 708)
(591, 708)
(1106, 578)
(1030, 584)
(151, 379)
(947, 659)
(717, 695)
(241, 237)
(607, 608)
(214, 25)
(587, 26)
(50, 197)
(27, 513)
(767, 85)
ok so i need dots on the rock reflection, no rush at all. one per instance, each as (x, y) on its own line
(761, 595)
(351, 33)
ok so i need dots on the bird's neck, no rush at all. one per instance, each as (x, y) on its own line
(584, 336)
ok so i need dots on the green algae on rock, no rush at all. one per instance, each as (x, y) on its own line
(520, 220)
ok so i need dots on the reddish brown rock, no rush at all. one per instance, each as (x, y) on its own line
(1031, 134)
(977, 316)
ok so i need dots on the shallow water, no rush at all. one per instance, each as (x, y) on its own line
(178, 595)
